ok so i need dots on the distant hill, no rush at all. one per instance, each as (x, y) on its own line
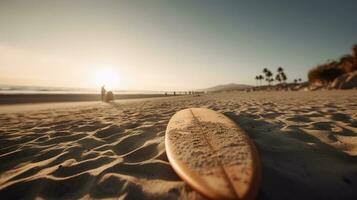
(226, 87)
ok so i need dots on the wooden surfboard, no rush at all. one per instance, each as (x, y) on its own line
(213, 154)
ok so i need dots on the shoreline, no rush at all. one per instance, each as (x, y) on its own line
(15, 99)
(38, 106)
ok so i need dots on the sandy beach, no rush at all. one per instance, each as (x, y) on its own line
(307, 142)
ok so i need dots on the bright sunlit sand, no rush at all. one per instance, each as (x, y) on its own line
(307, 142)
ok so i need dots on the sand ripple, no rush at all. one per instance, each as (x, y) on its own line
(307, 142)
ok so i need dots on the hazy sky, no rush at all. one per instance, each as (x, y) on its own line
(161, 45)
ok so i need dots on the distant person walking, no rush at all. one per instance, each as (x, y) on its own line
(103, 91)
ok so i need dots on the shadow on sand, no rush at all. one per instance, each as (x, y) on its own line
(297, 165)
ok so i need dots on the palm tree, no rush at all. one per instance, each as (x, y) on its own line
(257, 78)
(283, 77)
(261, 78)
(295, 81)
(277, 77)
(265, 70)
(300, 80)
(268, 74)
(280, 70)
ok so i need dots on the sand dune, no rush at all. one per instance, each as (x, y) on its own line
(307, 142)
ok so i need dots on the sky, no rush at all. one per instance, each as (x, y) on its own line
(168, 45)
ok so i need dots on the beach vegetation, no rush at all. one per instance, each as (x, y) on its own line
(268, 76)
(329, 71)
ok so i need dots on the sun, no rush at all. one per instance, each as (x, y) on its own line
(107, 76)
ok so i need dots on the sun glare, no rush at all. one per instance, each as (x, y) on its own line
(108, 77)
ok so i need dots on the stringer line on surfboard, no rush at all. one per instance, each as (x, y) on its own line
(214, 151)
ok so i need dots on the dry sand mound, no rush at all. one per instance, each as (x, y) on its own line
(307, 142)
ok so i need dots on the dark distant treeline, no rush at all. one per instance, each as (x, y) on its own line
(328, 72)
(280, 77)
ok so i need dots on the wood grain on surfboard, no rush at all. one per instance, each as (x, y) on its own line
(213, 154)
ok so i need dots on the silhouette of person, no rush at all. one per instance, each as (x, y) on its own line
(103, 91)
